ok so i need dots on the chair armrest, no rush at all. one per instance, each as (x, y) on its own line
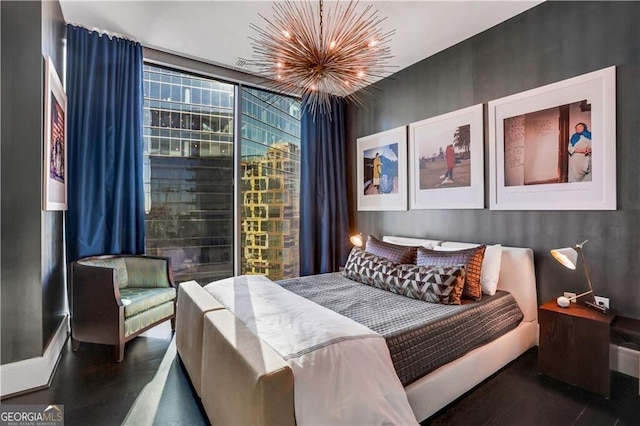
(95, 304)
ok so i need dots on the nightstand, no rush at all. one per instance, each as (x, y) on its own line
(574, 346)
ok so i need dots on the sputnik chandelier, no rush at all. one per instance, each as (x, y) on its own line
(317, 55)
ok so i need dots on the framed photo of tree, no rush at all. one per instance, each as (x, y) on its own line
(446, 161)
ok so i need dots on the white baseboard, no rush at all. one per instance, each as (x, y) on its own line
(624, 360)
(34, 372)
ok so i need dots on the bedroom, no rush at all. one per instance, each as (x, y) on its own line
(548, 43)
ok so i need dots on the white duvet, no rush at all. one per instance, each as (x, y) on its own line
(342, 370)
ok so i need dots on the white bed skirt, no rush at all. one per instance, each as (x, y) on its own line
(442, 386)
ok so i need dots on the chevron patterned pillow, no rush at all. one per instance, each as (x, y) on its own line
(471, 258)
(438, 284)
(365, 267)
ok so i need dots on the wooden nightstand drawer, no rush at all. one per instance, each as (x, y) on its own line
(574, 346)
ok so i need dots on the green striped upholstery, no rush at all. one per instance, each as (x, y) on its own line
(136, 300)
(146, 318)
(146, 272)
(117, 263)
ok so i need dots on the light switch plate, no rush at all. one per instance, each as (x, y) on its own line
(602, 301)
(569, 295)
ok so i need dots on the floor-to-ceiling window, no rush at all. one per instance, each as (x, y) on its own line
(189, 165)
(189, 174)
(270, 173)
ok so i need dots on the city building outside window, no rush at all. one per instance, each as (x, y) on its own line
(270, 173)
(189, 166)
(189, 170)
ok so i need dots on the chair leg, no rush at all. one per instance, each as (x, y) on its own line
(75, 344)
(173, 323)
(120, 351)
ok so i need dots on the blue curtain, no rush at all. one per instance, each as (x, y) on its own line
(105, 187)
(324, 220)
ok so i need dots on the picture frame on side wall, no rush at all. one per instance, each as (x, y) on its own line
(446, 161)
(554, 147)
(54, 171)
(382, 170)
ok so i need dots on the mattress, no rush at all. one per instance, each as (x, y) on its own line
(421, 336)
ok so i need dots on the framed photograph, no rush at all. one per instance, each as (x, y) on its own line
(382, 170)
(554, 147)
(55, 141)
(446, 161)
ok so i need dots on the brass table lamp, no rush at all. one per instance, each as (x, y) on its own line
(568, 257)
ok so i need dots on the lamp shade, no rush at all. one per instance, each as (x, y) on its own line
(568, 257)
(357, 240)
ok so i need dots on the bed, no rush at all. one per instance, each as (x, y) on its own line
(243, 380)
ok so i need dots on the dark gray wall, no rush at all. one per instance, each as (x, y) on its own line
(32, 269)
(552, 42)
(54, 306)
(21, 201)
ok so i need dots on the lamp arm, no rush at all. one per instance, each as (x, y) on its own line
(586, 272)
(582, 243)
(571, 299)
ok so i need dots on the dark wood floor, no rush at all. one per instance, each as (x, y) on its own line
(150, 387)
(518, 395)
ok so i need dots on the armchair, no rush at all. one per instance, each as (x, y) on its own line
(114, 298)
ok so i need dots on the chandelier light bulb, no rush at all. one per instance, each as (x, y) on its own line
(331, 55)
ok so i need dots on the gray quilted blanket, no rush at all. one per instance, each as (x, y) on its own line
(421, 336)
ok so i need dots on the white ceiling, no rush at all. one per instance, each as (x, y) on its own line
(218, 31)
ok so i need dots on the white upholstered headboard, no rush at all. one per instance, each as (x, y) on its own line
(518, 277)
(517, 273)
(405, 241)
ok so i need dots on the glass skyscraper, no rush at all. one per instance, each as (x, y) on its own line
(270, 184)
(189, 177)
(189, 167)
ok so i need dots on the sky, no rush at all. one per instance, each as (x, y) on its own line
(390, 151)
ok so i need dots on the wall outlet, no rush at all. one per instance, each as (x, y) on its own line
(604, 301)
(569, 295)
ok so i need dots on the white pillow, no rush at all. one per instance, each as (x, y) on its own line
(406, 241)
(491, 262)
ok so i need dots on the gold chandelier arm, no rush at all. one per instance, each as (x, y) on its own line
(321, 23)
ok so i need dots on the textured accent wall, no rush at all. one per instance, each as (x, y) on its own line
(32, 266)
(549, 43)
